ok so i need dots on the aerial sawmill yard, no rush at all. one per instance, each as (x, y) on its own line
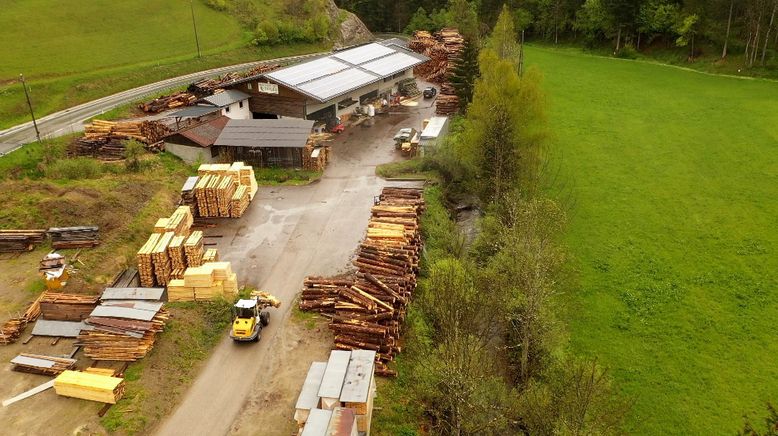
(321, 217)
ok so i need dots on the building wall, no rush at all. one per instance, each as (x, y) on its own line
(190, 154)
(236, 112)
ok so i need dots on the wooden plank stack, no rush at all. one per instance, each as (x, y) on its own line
(166, 102)
(74, 237)
(368, 308)
(162, 256)
(145, 264)
(206, 282)
(44, 365)
(67, 307)
(239, 202)
(217, 186)
(194, 249)
(161, 259)
(12, 329)
(124, 340)
(20, 240)
(177, 258)
(211, 255)
(89, 386)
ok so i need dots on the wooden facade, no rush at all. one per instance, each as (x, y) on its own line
(263, 157)
(286, 103)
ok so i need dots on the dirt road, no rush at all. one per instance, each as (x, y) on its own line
(289, 232)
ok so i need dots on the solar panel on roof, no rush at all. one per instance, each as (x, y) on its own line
(337, 84)
(308, 71)
(391, 64)
(363, 54)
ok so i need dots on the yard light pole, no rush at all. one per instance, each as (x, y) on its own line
(194, 24)
(29, 105)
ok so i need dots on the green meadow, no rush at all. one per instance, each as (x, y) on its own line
(672, 181)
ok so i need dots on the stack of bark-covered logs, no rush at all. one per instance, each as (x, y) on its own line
(206, 87)
(12, 329)
(172, 101)
(368, 308)
(74, 237)
(444, 50)
(20, 240)
(105, 140)
(408, 87)
(67, 307)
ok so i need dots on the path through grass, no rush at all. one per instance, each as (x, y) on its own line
(674, 175)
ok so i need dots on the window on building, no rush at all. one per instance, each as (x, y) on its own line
(240, 104)
(227, 110)
(249, 85)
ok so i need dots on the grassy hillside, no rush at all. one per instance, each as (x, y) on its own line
(674, 175)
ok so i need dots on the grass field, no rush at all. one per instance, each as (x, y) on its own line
(674, 179)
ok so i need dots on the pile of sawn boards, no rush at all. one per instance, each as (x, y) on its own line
(89, 386)
(122, 330)
(20, 240)
(171, 245)
(74, 237)
(39, 364)
(222, 190)
(368, 308)
(12, 329)
(67, 307)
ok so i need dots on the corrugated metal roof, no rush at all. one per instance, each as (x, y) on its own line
(391, 64)
(134, 293)
(285, 132)
(194, 112)
(317, 423)
(434, 127)
(364, 53)
(308, 398)
(226, 98)
(338, 83)
(122, 312)
(308, 71)
(395, 41)
(66, 329)
(332, 381)
(32, 361)
(202, 134)
(356, 384)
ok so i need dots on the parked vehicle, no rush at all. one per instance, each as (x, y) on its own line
(403, 135)
(430, 92)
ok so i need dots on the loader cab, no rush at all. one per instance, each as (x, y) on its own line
(248, 320)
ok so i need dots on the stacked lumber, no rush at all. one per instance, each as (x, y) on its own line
(239, 202)
(217, 186)
(44, 365)
(74, 237)
(206, 282)
(194, 249)
(315, 155)
(368, 308)
(20, 240)
(89, 386)
(166, 102)
(408, 87)
(161, 259)
(121, 339)
(67, 307)
(177, 258)
(188, 195)
(180, 221)
(145, 263)
(147, 132)
(211, 255)
(12, 329)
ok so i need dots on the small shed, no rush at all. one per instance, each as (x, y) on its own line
(430, 137)
(195, 143)
(232, 103)
(265, 142)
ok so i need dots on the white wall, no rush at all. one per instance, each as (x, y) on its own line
(190, 154)
(236, 112)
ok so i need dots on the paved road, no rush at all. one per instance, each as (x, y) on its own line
(288, 233)
(70, 120)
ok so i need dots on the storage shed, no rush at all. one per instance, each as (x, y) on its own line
(265, 142)
(433, 132)
(195, 143)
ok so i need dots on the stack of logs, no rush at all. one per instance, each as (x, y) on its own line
(20, 240)
(444, 50)
(74, 237)
(166, 102)
(105, 140)
(206, 87)
(368, 308)
(12, 329)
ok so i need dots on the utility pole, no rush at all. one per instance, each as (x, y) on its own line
(521, 53)
(29, 105)
(194, 24)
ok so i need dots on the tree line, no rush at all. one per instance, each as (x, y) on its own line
(746, 27)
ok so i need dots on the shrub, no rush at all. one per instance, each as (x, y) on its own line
(219, 5)
(627, 52)
(74, 169)
(133, 152)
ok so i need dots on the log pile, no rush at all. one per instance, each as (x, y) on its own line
(147, 132)
(368, 308)
(105, 148)
(121, 339)
(166, 102)
(12, 329)
(89, 386)
(44, 365)
(444, 49)
(20, 240)
(67, 307)
(206, 87)
(74, 237)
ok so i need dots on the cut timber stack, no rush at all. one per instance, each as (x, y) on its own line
(161, 259)
(368, 308)
(408, 87)
(67, 307)
(39, 364)
(216, 188)
(240, 201)
(159, 104)
(128, 334)
(12, 329)
(211, 255)
(206, 282)
(193, 249)
(104, 148)
(147, 132)
(177, 258)
(20, 240)
(315, 154)
(74, 237)
(89, 386)
(188, 195)
(145, 264)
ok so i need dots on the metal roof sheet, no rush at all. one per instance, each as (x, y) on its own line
(308, 398)
(308, 71)
(203, 134)
(122, 312)
(66, 329)
(134, 293)
(332, 381)
(188, 186)
(151, 306)
(391, 64)
(32, 361)
(434, 127)
(285, 132)
(363, 53)
(194, 112)
(317, 423)
(356, 384)
(226, 98)
(343, 422)
(338, 83)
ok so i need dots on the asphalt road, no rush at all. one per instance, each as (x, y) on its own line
(71, 120)
(288, 233)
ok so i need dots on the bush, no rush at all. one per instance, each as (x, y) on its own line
(133, 152)
(219, 5)
(74, 169)
(627, 52)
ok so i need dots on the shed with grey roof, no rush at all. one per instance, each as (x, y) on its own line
(265, 142)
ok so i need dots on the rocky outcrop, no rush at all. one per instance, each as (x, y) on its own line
(349, 29)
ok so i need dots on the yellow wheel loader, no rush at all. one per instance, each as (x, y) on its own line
(250, 316)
